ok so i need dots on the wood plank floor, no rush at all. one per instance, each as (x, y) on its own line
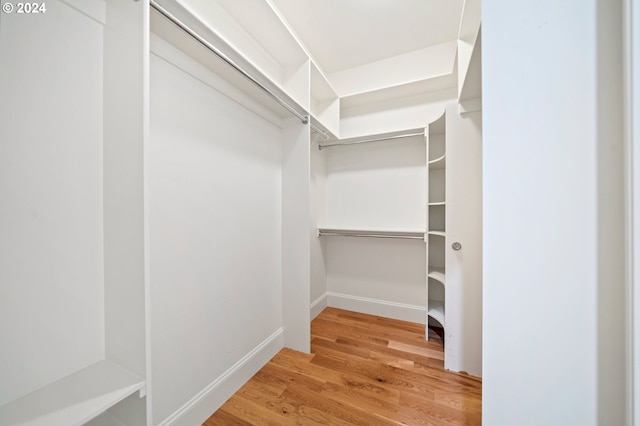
(363, 370)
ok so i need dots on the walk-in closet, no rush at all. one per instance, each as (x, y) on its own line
(186, 184)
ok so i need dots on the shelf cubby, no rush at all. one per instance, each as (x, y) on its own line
(437, 274)
(436, 311)
(436, 298)
(437, 218)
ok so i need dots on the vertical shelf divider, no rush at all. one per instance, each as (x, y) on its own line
(436, 226)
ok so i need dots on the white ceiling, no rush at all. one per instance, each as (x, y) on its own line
(342, 34)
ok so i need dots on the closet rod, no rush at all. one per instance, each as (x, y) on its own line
(368, 235)
(371, 140)
(227, 60)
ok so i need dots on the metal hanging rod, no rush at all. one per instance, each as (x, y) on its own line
(372, 234)
(371, 140)
(304, 119)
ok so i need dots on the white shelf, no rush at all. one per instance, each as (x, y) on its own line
(397, 91)
(75, 399)
(252, 36)
(436, 311)
(256, 31)
(438, 163)
(437, 203)
(436, 273)
(438, 233)
(373, 233)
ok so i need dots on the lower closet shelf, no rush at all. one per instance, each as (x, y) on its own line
(436, 310)
(436, 273)
(74, 399)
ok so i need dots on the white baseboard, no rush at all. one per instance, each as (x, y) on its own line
(382, 308)
(200, 407)
(318, 305)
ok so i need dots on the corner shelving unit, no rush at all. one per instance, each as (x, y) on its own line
(436, 232)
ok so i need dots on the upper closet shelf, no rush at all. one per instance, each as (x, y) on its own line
(268, 55)
(400, 91)
(438, 233)
(75, 399)
(402, 234)
(437, 203)
(419, 72)
(375, 138)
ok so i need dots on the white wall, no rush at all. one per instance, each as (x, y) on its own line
(379, 276)
(546, 186)
(379, 185)
(215, 234)
(51, 233)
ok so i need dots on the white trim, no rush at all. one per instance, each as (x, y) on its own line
(146, 174)
(205, 403)
(632, 140)
(382, 308)
(318, 305)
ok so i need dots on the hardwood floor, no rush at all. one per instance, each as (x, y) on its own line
(363, 370)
